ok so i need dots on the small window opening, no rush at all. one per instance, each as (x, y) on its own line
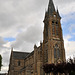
(18, 63)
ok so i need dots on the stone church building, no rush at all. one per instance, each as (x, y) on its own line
(51, 50)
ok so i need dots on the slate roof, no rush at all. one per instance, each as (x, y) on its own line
(51, 7)
(30, 54)
(19, 55)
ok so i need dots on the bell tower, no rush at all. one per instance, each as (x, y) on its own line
(53, 44)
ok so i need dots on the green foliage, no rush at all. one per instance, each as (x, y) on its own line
(64, 67)
(0, 62)
(72, 73)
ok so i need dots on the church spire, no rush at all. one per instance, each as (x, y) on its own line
(51, 7)
(58, 14)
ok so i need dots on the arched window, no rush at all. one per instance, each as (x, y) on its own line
(53, 28)
(56, 51)
(56, 45)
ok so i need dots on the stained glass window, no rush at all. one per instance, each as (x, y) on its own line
(58, 53)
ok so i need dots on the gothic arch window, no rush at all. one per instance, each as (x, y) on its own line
(56, 45)
(56, 51)
(53, 27)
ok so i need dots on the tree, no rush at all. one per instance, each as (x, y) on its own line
(48, 68)
(0, 62)
(64, 67)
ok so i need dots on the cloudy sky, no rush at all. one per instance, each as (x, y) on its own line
(21, 25)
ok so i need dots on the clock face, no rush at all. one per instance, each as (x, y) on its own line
(54, 15)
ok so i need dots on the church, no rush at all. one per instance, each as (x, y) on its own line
(51, 50)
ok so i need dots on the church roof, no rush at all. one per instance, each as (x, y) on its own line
(19, 55)
(30, 54)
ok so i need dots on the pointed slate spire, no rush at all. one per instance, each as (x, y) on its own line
(58, 14)
(35, 46)
(51, 7)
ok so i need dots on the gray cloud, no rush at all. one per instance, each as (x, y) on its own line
(6, 22)
(5, 55)
(26, 40)
(4, 52)
(2, 42)
(18, 15)
(32, 34)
